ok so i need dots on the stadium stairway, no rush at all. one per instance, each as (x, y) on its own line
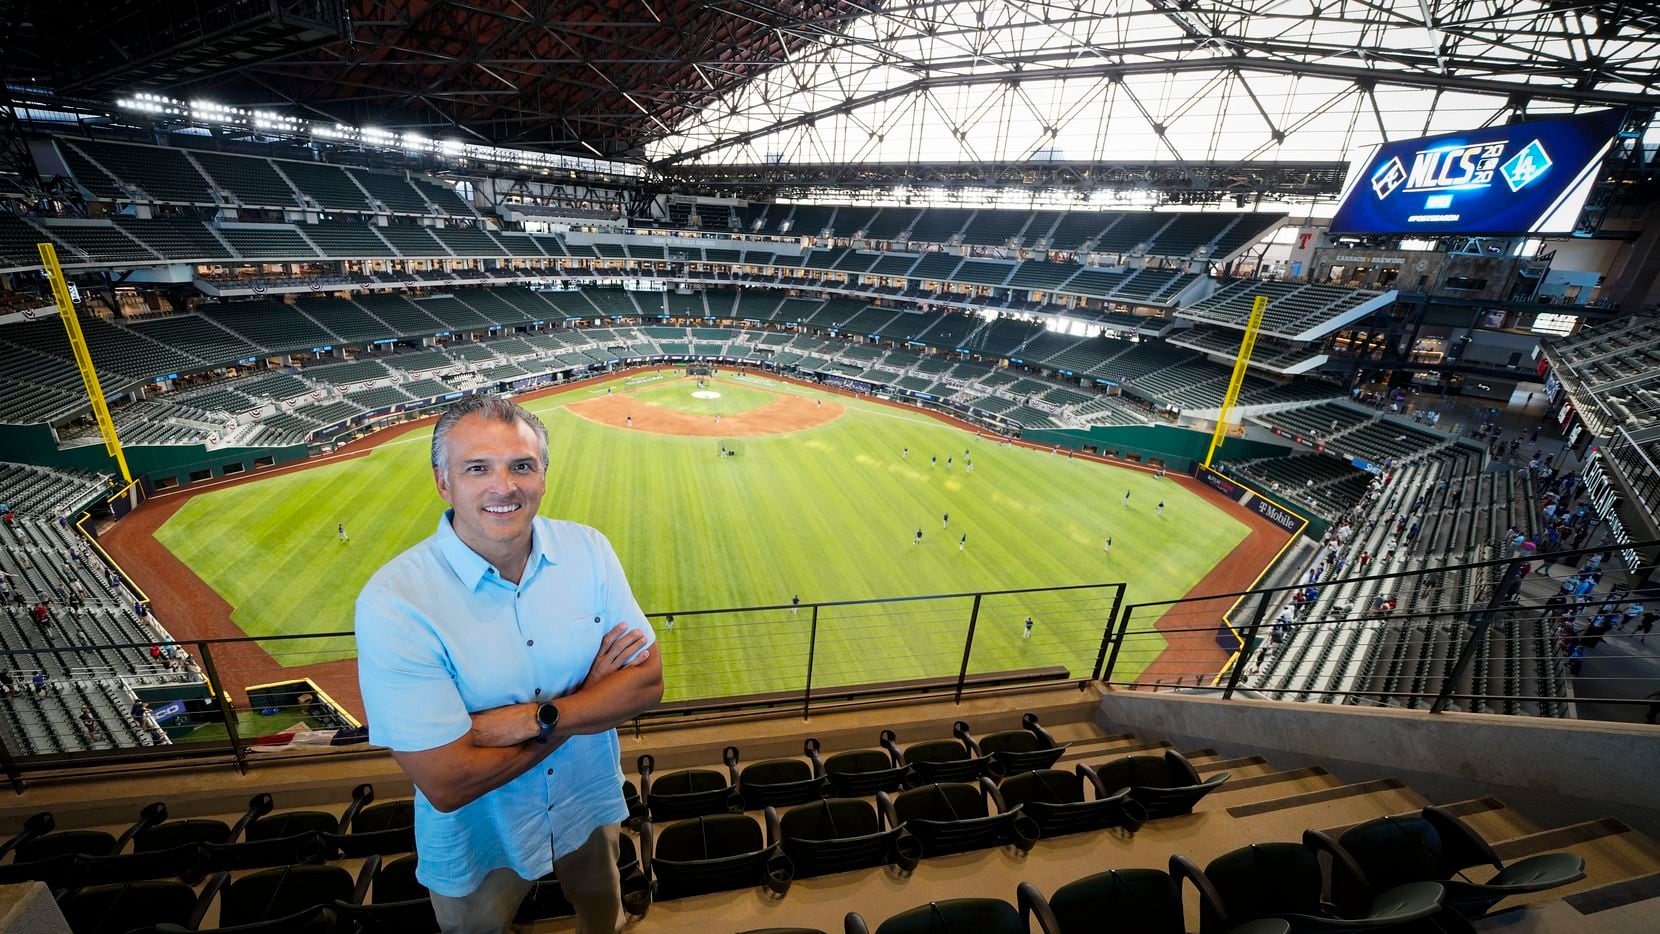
(1260, 802)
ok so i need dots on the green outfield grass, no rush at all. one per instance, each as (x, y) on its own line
(828, 513)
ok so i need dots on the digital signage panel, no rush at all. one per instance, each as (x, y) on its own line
(1520, 179)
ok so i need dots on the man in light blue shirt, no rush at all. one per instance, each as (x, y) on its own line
(496, 659)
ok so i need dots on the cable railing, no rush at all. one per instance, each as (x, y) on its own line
(816, 655)
(1512, 639)
(1479, 636)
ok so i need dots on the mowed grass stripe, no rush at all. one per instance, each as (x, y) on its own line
(827, 513)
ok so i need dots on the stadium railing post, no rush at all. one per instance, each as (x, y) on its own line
(812, 647)
(221, 693)
(1106, 633)
(968, 647)
(1117, 638)
(13, 774)
(1506, 586)
(1245, 643)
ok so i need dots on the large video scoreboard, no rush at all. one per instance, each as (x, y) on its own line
(1516, 180)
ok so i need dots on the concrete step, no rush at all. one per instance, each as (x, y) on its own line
(1097, 753)
(1634, 900)
(1285, 818)
(1622, 915)
(1239, 767)
(1489, 817)
(1269, 786)
(1612, 851)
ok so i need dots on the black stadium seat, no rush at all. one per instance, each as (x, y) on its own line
(1056, 801)
(777, 782)
(951, 916)
(261, 824)
(1283, 881)
(936, 760)
(855, 773)
(316, 920)
(1030, 747)
(839, 834)
(1434, 846)
(688, 792)
(1139, 901)
(154, 832)
(398, 904)
(384, 828)
(547, 898)
(954, 817)
(37, 841)
(1166, 786)
(714, 853)
(272, 893)
(116, 909)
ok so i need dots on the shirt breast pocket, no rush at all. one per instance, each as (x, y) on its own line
(571, 653)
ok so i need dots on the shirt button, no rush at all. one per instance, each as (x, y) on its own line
(538, 691)
(530, 642)
(550, 772)
(596, 619)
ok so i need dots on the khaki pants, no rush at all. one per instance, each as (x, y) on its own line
(587, 874)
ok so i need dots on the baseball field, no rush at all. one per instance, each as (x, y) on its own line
(821, 501)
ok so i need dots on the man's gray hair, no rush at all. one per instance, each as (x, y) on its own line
(488, 406)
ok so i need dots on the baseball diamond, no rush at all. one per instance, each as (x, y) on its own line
(822, 505)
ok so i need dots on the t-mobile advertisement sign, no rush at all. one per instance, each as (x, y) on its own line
(1280, 517)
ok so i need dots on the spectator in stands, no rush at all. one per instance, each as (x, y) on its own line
(434, 684)
(40, 684)
(7, 685)
(1631, 613)
(10, 519)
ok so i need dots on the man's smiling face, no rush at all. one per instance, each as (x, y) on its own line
(494, 481)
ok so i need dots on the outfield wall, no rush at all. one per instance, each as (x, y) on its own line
(35, 444)
(1178, 448)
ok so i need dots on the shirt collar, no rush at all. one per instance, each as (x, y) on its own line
(471, 567)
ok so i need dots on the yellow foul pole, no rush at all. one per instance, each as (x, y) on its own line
(1237, 381)
(83, 357)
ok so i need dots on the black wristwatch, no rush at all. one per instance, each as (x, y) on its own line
(547, 717)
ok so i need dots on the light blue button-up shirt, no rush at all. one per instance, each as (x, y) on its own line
(440, 634)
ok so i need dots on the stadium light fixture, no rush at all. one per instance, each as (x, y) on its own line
(201, 110)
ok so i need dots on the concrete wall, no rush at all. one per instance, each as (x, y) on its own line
(1554, 771)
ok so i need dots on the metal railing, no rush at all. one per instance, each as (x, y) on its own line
(938, 645)
(1438, 651)
(1433, 648)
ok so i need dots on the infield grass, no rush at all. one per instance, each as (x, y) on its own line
(828, 513)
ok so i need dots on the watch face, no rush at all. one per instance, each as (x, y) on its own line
(547, 715)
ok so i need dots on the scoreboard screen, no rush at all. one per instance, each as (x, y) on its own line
(1516, 180)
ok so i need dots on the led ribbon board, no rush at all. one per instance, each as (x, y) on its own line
(1525, 178)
